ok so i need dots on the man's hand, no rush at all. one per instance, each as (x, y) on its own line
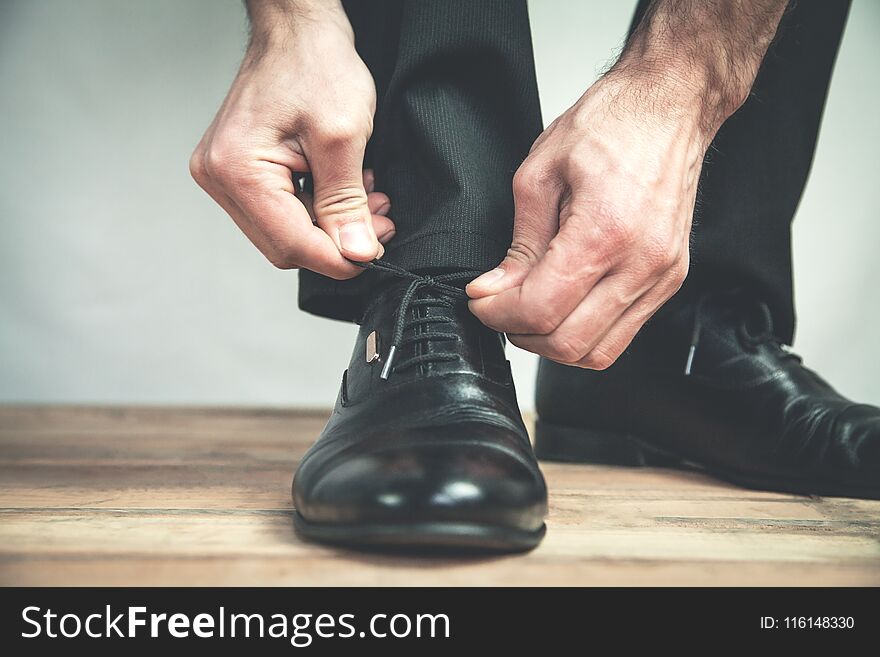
(603, 213)
(605, 198)
(303, 101)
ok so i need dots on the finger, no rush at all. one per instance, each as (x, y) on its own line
(265, 244)
(379, 205)
(384, 228)
(542, 301)
(578, 257)
(588, 324)
(612, 345)
(536, 220)
(340, 200)
(238, 216)
(369, 180)
(200, 171)
(279, 224)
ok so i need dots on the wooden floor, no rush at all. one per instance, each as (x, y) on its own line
(194, 496)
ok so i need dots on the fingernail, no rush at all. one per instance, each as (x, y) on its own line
(383, 209)
(356, 239)
(489, 278)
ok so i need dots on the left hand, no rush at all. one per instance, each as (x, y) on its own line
(603, 215)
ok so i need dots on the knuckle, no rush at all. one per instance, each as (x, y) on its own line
(599, 359)
(197, 168)
(668, 260)
(540, 324)
(341, 130)
(610, 231)
(340, 205)
(520, 251)
(565, 350)
(679, 272)
(532, 181)
(577, 164)
(521, 181)
(281, 259)
(616, 231)
(281, 255)
(221, 161)
(660, 256)
(525, 180)
(623, 296)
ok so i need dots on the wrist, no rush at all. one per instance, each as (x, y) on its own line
(665, 101)
(275, 22)
(686, 83)
(701, 57)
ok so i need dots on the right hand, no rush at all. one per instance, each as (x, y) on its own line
(303, 101)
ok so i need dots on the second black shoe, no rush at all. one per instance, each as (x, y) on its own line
(426, 448)
(708, 384)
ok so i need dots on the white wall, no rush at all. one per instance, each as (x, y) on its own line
(121, 281)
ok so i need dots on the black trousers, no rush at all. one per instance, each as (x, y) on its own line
(458, 111)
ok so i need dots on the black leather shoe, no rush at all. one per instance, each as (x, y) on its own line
(426, 448)
(707, 384)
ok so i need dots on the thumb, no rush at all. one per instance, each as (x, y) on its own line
(535, 223)
(340, 201)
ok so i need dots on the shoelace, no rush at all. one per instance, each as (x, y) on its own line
(750, 340)
(401, 325)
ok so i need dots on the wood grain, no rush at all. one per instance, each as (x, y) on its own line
(144, 496)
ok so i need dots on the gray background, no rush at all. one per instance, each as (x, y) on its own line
(121, 281)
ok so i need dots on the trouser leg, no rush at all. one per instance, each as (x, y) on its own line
(457, 112)
(757, 167)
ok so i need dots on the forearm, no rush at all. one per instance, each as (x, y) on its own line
(705, 53)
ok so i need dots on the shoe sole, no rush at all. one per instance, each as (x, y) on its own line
(427, 537)
(555, 442)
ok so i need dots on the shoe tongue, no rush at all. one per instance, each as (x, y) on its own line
(405, 308)
(391, 284)
(718, 311)
(390, 295)
(722, 318)
(756, 320)
(399, 318)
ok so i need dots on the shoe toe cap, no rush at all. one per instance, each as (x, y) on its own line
(474, 475)
(858, 439)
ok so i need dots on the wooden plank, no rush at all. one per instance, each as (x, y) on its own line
(73, 483)
(201, 496)
(200, 532)
(353, 569)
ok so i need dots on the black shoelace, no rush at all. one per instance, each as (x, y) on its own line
(440, 283)
(748, 339)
